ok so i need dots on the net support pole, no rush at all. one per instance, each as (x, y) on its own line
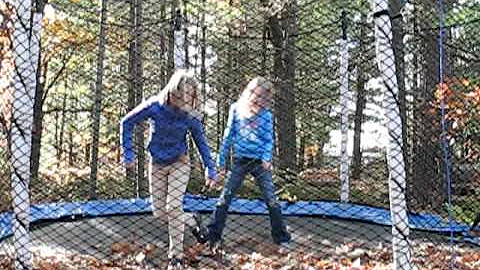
(179, 36)
(26, 52)
(344, 162)
(396, 165)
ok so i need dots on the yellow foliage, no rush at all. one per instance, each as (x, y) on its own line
(60, 32)
(312, 150)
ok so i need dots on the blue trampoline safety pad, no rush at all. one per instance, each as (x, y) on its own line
(195, 203)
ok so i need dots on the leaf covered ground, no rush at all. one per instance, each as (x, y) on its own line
(348, 256)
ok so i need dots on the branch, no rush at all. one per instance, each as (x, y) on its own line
(65, 61)
(80, 110)
(476, 57)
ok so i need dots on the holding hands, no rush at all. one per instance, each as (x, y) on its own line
(210, 182)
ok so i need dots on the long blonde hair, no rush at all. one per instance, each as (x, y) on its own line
(246, 106)
(176, 86)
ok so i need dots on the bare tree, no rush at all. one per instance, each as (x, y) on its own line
(98, 101)
(360, 105)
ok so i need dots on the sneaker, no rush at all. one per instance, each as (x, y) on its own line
(175, 264)
(284, 247)
(214, 249)
(199, 232)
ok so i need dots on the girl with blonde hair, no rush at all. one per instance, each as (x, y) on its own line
(249, 132)
(174, 112)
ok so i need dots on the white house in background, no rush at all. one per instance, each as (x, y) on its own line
(374, 133)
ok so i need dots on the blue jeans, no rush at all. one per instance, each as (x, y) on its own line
(241, 167)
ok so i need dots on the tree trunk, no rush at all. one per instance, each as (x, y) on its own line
(70, 147)
(57, 131)
(264, 49)
(203, 53)
(283, 39)
(62, 128)
(415, 89)
(96, 113)
(185, 35)
(143, 189)
(219, 127)
(227, 92)
(71, 142)
(163, 46)
(131, 100)
(171, 40)
(86, 152)
(191, 144)
(427, 186)
(291, 32)
(301, 153)
(37, 121)
(358, 121)
(41, 90)
(359, 107)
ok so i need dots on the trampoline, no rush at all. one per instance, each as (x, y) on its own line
(195, 203)
(66, 229)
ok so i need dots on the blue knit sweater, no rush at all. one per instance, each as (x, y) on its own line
(168, 134)
(250, 137)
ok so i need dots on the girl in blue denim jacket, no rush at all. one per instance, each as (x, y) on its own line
(249, 133)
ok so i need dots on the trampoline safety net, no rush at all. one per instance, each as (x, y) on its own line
(235, 134)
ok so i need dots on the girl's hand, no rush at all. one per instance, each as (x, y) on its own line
(221, 173)
(210, 183)
(267, 165)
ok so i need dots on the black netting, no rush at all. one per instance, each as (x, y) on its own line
(357, 146)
